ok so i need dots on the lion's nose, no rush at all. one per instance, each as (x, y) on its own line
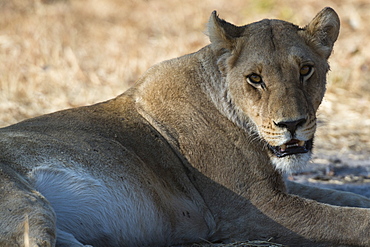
(291, 126)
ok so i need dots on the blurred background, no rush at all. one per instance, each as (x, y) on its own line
(57, 54)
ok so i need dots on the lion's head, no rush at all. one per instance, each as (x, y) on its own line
(274, 76)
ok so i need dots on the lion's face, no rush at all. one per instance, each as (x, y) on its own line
(276, 76)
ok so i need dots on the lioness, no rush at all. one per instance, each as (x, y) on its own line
(194, 151)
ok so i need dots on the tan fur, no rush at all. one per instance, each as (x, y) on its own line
(184, 156)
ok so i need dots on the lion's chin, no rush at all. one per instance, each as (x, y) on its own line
(291, 163)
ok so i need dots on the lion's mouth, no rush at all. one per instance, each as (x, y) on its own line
(293, 146)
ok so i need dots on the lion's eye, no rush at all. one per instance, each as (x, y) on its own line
(305, 70)
(254, 78)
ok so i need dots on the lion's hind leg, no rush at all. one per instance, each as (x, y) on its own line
(26, 217)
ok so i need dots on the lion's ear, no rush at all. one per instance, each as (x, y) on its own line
(221, 33)
(323, 31)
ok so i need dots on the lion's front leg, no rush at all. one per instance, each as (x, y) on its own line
(329, 196)
(26, 218)
(313, 220)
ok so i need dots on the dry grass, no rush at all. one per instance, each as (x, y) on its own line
(57, 54)
(26, 232)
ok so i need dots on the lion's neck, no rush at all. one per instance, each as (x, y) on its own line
(184, 103)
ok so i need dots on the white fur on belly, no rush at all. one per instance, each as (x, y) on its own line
(87, 208)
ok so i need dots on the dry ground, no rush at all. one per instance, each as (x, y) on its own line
(56, 54)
